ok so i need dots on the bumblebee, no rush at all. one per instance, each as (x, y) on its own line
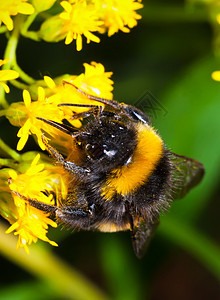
(123, 177)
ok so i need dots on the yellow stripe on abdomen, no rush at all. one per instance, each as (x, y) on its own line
(126, 179)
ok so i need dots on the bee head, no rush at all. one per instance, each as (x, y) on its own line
(107, 142)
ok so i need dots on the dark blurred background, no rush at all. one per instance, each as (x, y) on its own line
(170, 55)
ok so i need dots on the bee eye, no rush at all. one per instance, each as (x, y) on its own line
(94, 151)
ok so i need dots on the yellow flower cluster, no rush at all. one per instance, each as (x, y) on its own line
(12, 8)
(84, 17)
(29, 223)
(25, 114)
(78, 18)
(41, 180)
(118, 15)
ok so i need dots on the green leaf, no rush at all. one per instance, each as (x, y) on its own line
(192, 126)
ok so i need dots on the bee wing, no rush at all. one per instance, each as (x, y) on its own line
(188, 173)
(141, 235)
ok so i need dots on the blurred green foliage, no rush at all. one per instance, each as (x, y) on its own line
(170, 53)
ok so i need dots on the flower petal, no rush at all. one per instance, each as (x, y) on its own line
(66, 5)
(27, 98)
(7, 20)
(5, 87)
(26, 8)
(50, 82)
(79, 42)
(8, 74)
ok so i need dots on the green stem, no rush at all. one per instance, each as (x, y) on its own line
(7, 162)
(3, 101)
(192, 241)
(3, 29)
(26, 78)
(10, 54)
(9, 151)
(10, 51)
(66, 282)
(24, 29)
(18, 85)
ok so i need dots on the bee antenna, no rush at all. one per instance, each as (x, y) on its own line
(62, 127)
(108, 102)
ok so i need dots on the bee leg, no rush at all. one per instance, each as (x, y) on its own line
(48, 193)
(37, 204)
(62, 127)
(76, 218)
(71, 216)
(95, 110)
(68, 165)
(85, 114)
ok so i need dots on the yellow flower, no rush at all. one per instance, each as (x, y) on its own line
(10, 8)
(25, 115)
(79, 19)
(33, 181)
(118, 15)
(218, 18)
(95, 81)
(216, 75)
(30, 227)
(7, 206)
(65, 93)
(36, 183)
(6, 75)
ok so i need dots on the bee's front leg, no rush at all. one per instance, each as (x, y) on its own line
(76, 218)
(71, 167)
